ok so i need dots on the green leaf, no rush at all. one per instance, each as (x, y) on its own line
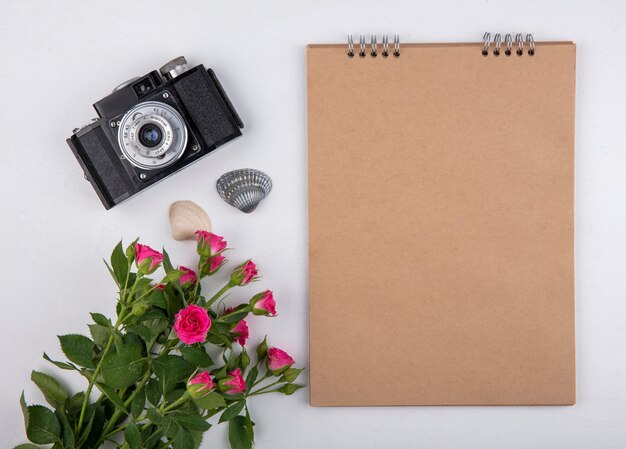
(251, 378)
(197, 439)
(173, 276)
(66, 429)
(74, 403)
(220, 373)
(156, 326)
(197, 356)
(166, 424)
(232, 362)
(154, 416)
(106, 264)
(153, 391)
(130, 338)
(142, 286)
(52, 390)
(117, 338)
(214, 336)
(26, 446)
(175, 395)
(157, 299)
(238, 435)
(93, 430)
(24, 410)
(236, 315)
(183, 439)
(138, 403)
(167, 264)
(171, 369)
(249, 426)
(100, 319)
(233, 410)
(119, 262)
(141, 330)
(112, 395)
(193, 422)
(124, 367)
(61, 365)
(211, 401)
(174, 303)
(291, 374)
(289, 389)
(132, 435)
(78, 349)
(100, 334)
(43, 426)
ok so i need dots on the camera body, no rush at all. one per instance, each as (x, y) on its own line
(152, 126)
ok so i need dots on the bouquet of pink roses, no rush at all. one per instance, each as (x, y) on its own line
(170, 361)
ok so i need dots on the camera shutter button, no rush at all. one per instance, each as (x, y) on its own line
(174, 68)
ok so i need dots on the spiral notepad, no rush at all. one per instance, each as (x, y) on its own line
(441, 223)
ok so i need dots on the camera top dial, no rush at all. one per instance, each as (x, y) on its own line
(152, 135)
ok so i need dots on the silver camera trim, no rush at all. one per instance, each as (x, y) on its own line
(172, 145)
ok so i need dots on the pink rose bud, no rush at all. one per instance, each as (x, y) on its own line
(191, 324)
(210, 244)
(200, 385)
(263, 304)
(148, 260)
(244, 273)
(188, 278)
(214, 263)
(240, 330)
(233, 384)
(278, 361)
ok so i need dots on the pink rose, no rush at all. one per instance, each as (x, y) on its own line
(188, 277)
(210, 244)
(278, 361)
(234, 383)
(192, 324)
(264, 304)
(240, 330)
(148, 260)
(214, 263)
(244, 273)
(200, 385)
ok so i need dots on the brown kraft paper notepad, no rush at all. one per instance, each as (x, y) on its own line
(441, 226)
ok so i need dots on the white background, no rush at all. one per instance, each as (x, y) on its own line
(57, 58)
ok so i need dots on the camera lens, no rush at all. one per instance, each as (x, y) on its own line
(150, 135)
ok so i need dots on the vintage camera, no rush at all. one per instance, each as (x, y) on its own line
(151, 127)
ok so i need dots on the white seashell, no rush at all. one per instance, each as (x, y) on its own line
(186, 217)
(244, 189)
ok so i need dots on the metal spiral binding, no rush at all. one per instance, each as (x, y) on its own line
(486, 42)
(373, 52)
(531, 43)
(497, 40)
(362, 46)
(374, 46)
(520, 44)
(508, 41)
